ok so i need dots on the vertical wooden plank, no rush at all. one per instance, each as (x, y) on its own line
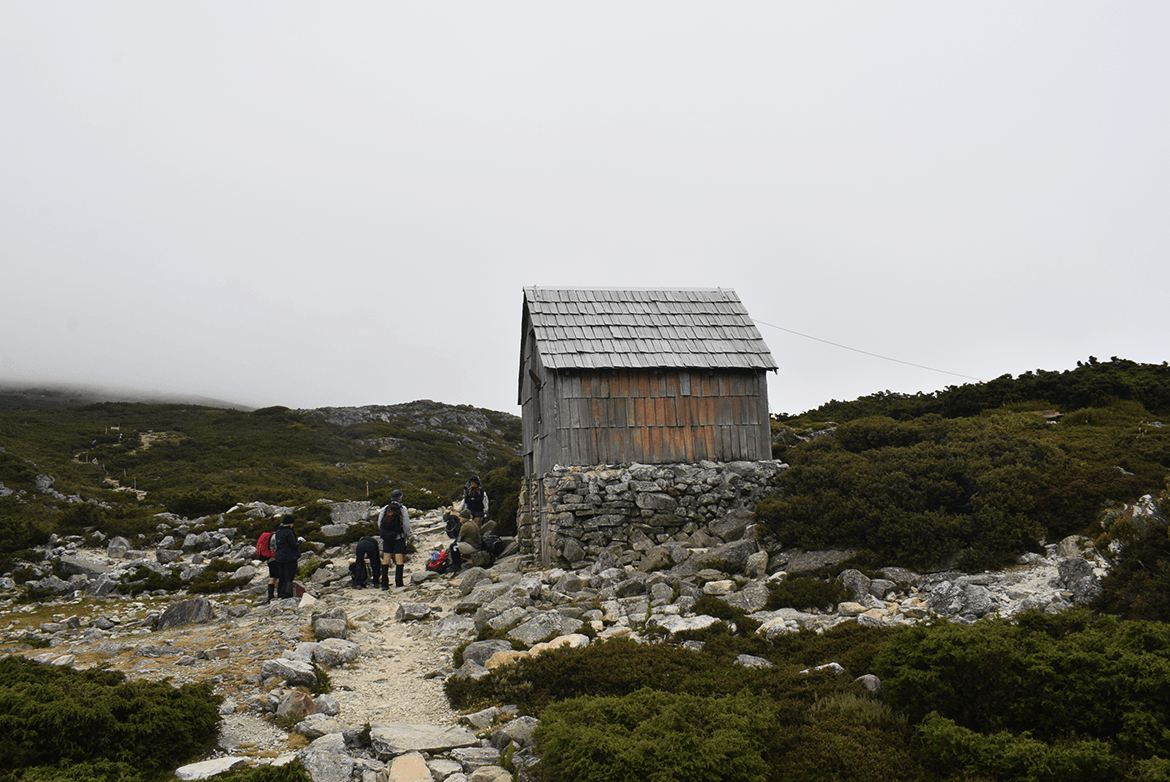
(586, 385)
(670, 411)
(679, 440)
(684, 383)
(623, 384)
(720, 405)
(668, 444)
(643, 381)
(656, 444)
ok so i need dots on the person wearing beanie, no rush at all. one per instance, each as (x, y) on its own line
(475, 499)
(394, 527)
(288, 551)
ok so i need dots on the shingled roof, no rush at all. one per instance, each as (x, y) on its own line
(705, 328)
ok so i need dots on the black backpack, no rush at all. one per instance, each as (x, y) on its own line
(493, 545)
(392, 520)
(453, 525)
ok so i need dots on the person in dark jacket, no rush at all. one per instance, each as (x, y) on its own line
(288, 551)
(366, 551)
(475, 499)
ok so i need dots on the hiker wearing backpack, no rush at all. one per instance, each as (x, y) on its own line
(266, 552)
(394, 527)
(475, 499)
(288, 551)
(366, 551)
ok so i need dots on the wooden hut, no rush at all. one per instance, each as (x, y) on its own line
(651, 376)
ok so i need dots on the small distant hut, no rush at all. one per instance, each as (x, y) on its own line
(649, 376)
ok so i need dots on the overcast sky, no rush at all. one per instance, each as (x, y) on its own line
(310, 204)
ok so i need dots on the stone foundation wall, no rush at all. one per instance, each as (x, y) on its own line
(635, 507)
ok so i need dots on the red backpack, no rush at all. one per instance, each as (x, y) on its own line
(264, 546)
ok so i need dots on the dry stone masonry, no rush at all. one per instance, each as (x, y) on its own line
(637, 507)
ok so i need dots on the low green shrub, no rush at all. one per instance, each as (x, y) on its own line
(851, 737)
(653, 735)
(290, 772)
(615, 667)
(1138, 585)
(192, 504)
(849, 644)
(210, 581)
(721, 609)
(1061, 676)
(804, 592)
(953, 749)
(146, 580)
(52, 715)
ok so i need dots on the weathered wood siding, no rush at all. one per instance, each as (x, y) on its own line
(651, 417)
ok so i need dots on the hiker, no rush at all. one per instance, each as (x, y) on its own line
(288, 551)
(265, 552)
(366, 551)
(475, 499)
(394, 526)
(467, 543)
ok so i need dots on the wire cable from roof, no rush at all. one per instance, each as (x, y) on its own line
(867, 353)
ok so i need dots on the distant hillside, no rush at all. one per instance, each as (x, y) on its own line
(25, 398)
(114, 465)
(1092, 384)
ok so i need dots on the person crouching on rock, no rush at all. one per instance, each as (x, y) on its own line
(394, 527)
(468, 542)
(288, 551)
(366, 551)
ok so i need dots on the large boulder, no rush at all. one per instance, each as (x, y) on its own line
(479, 652)
(197, 610)
(391, 740)
(295, 672)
